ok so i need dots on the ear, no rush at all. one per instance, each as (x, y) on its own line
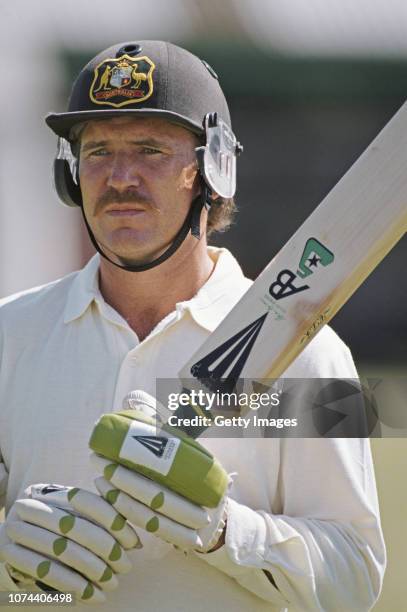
(189, 176)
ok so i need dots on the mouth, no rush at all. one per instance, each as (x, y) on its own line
(121, 210)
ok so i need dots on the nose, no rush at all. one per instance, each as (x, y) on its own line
(123, 173)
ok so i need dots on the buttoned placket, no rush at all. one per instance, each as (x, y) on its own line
(136, 364)
(134, 371)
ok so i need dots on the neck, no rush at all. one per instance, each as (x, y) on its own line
(145, 298)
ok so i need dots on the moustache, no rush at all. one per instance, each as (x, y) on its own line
(112, 196)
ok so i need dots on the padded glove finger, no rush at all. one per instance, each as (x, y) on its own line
(64, 550)
(51, 573)
(91, 506)
(75, 528)
(147, 519)
(152, 494)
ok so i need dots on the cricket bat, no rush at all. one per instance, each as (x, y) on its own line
(315, 273)
(300, 290)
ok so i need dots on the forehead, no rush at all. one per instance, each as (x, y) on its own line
(136, 127)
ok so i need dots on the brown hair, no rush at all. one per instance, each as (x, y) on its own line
(221, 215)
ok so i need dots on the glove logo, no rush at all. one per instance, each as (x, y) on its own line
(51, 488)
(154, 444)
(122, 81)
(155, 452)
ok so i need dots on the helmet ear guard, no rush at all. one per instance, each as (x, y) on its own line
(217, 159)
(66, 179)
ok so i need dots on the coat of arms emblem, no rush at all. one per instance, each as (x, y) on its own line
(122, 81)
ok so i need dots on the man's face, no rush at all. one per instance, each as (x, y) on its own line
(138, 178)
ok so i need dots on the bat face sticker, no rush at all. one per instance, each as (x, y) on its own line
(235, 352)
(220, 369)
(314, 256)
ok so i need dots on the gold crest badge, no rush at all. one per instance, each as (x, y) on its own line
(122, 81)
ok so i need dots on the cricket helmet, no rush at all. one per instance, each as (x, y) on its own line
(150, 78)
(156, 79)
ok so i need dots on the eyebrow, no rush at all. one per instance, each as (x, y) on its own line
(94, 144)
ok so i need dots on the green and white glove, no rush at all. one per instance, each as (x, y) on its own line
(72, 543)
(164, 454)
(159, 510)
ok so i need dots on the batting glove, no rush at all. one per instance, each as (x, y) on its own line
(154, 507)
(77, 547)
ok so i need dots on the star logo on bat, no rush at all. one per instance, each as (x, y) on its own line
(314, 255)
(314, 261)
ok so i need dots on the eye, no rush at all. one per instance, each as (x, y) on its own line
(151, 151)
(98, 153)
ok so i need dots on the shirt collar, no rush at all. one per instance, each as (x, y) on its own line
(84, 289)
(219, 294)
(208, 307)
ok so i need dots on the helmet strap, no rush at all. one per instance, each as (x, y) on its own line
(192, 222)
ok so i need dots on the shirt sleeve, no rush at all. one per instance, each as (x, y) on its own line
(325, 550)
(6, 582)
(3, 482)
(3, 470)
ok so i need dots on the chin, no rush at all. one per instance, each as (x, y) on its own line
(138, 258)
(128, 243)
(130, 247)
(130, 255)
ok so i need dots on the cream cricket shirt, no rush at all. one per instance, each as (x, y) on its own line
(304, 509)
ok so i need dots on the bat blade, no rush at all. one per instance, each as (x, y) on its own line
(316, 272)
